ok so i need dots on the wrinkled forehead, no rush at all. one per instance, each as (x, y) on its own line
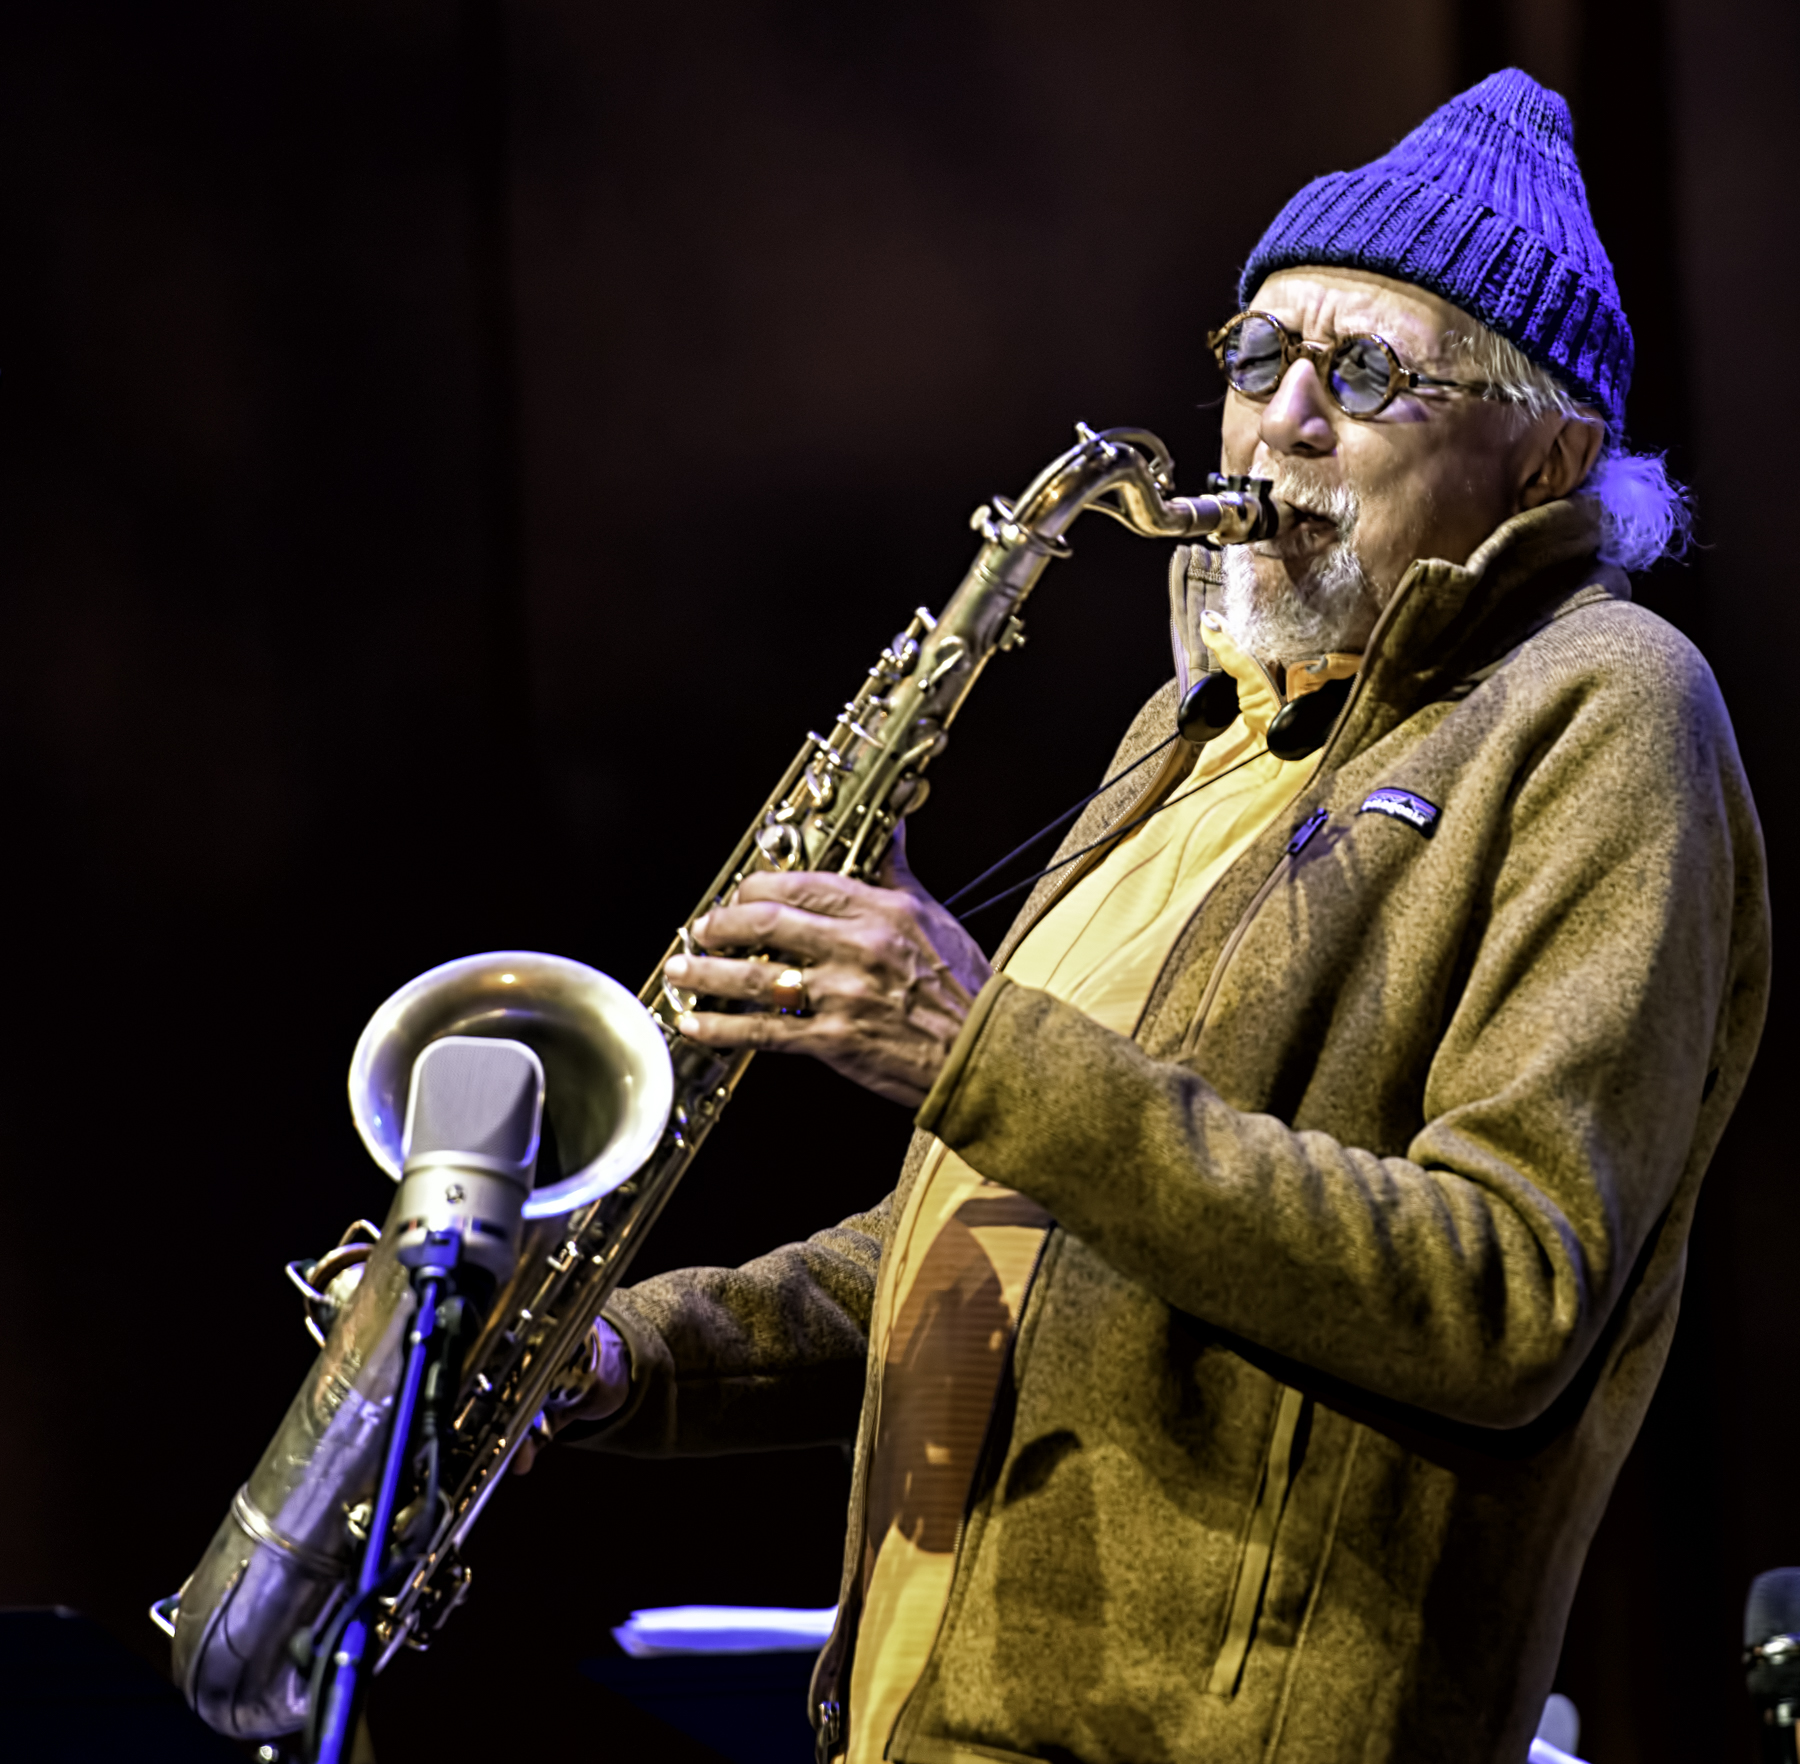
(1322, 302)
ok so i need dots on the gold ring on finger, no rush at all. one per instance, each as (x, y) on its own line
(788, 989)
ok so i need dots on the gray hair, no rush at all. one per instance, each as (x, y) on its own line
(1644, 513)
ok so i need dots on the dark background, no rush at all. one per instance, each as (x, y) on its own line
(450, 454)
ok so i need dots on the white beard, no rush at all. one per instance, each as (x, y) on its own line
(1331, 607)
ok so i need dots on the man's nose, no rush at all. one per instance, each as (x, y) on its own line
(1298, 419)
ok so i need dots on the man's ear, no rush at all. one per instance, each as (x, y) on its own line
(1564, 458)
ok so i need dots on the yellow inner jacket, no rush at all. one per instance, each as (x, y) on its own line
(950, 1292)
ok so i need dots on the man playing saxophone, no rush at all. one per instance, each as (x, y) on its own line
(1296, 1224)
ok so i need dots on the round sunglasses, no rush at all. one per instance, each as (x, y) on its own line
(1361, 374)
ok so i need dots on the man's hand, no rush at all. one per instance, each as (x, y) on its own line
(589, 1394)
(890, 974)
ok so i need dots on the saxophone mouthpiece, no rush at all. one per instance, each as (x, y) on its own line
(1248, 509)
(1287, 517)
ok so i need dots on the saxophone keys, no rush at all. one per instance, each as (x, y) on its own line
(781, 845)
(909, 794)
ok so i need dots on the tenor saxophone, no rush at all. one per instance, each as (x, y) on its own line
(630, 1100)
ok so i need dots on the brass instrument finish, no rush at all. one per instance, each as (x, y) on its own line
(278, 1562)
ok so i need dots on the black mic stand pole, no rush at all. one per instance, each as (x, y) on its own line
(335, 1720)
(456, 1223)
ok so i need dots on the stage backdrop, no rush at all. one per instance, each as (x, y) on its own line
(449, 458)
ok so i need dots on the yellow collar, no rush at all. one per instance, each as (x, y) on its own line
(1259, 697)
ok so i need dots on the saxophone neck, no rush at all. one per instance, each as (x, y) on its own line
(1129, 475)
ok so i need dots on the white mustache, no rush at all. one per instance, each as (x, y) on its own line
(1335, 503)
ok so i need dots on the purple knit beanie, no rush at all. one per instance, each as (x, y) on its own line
(1483, 204)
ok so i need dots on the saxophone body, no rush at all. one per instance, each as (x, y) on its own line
(631, 1102)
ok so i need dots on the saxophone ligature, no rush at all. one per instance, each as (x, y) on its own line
(629, 1102)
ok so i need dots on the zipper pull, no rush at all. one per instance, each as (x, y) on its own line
(1306, 830)
(828, 1729)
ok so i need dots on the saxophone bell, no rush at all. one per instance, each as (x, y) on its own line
(590, 1057)
(606, 1068)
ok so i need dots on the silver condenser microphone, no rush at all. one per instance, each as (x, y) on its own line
(474, 1116)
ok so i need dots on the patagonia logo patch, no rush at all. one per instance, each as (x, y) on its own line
(1402, 805)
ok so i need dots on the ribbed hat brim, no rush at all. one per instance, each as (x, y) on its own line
(1481, 261)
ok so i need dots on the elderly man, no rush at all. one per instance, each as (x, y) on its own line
(1296, 1225)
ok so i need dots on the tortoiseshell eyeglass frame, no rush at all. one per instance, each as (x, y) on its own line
(1401, 378)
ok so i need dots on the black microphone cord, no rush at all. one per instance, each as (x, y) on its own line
(1050, 827)
(1105, 838)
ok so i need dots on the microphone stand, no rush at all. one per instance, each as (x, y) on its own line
(337, 1700)
(1774, 1676)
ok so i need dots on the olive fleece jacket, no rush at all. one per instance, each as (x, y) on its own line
(1370, 1240)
